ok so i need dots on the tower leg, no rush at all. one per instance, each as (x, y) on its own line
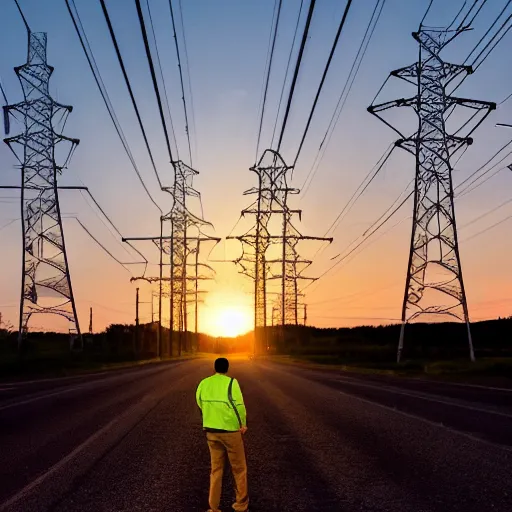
(400, 342)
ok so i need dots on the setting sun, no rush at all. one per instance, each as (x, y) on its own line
(232, 322)
(227, 314)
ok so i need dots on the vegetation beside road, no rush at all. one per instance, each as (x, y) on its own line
(430, 350)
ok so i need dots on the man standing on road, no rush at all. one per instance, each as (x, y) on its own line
(224, 419)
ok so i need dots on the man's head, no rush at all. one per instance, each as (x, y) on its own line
(221, 365)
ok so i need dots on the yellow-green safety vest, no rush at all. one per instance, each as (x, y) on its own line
(221, 402)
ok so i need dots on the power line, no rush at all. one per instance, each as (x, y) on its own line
(477, 12)
(506, 99)
(322, 81)
(426, 12)
(153, 76)
(487, 229)
(267, 59)
(461, 24)
(296, 72)
(459, 13)
(160, 69)
(22, 16)
(492, 210)
(483, 166)
(267, 79)
(188, 73)
(345, 256)
(356, 64)
(469, 190)
(495, 44)
(362, 187)
(487, 33)
(109, 220)
(287, 69)
(187, 130)
(104, 94)
(129, 86)
(102, 246)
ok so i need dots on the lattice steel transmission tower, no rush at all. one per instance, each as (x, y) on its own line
(253, 263)
(434, 284)
(272, 191)
(182, 245)
(46, 281)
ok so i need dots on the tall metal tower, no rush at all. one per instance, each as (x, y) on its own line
(272, 191)
(434, 284)
(180, 247)
(291, 264)
(46, 281)
(253, 263)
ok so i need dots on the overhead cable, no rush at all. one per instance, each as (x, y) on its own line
(129, 86)
(296, 71)
(322, 81)
(22, 16)
(286, 72)
(104, 93)
(188, 75)
(153, 77)
(354, 70)
(267, 79)
(187, 128)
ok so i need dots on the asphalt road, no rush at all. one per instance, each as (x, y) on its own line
(318, 441)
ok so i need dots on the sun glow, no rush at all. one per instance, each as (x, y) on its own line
(227, 315)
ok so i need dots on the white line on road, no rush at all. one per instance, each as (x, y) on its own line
(426, 397)
(40, 397)
(81, 386)
(424, 420)
(38, 481)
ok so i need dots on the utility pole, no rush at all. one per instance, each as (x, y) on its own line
(305, 315)
(137, 333)
(273, 192)
(434, 284)
(90, 320)
(44, 258)
(184, 240)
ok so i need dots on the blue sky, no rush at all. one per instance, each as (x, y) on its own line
(227, 44)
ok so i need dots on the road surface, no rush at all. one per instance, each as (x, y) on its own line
(131, 440)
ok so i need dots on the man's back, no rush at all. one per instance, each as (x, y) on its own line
(220, 399)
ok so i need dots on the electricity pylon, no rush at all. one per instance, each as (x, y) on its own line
(46, 281)
(272, 192)
(183, 243)
(434, 284)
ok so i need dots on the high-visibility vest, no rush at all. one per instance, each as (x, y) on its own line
(221, 402)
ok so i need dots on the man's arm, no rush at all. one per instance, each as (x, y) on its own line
(198, 395)
(239, 402)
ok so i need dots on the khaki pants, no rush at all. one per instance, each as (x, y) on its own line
(232, 445)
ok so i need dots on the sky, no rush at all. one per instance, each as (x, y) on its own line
(227, 43)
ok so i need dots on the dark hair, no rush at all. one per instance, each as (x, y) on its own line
(221, 365)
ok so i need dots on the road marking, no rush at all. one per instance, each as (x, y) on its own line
(421, 380)
(428, 422)
(69, 390)
(40, 397)
(39, 480)
(428, 398)
(425, 396)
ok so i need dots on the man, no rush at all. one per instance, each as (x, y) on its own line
(225, 421)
